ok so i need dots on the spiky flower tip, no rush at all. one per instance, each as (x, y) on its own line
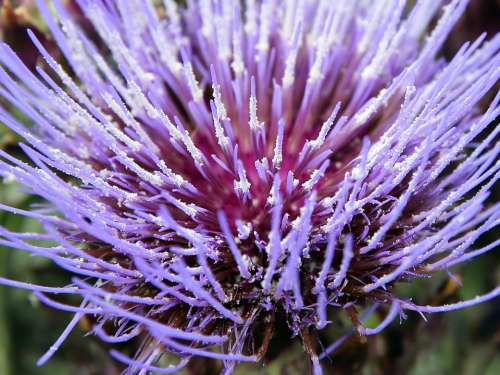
(216, 167)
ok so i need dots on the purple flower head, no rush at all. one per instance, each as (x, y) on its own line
(213, 168)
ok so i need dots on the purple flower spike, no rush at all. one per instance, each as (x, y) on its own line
(216, 167)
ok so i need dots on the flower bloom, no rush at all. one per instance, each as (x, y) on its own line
(216, 167)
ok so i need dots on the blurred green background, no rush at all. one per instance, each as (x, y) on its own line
(461, 342)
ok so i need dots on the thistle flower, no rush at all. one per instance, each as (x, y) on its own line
(212, 168)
